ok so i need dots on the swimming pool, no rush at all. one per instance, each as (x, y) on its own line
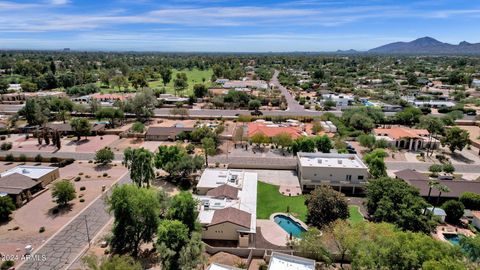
(289, 225)
(453, 238)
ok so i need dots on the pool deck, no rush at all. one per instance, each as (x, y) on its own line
(272, 232)
(449, 229)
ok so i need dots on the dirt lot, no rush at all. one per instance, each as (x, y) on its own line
(26, 221)
(89, 145)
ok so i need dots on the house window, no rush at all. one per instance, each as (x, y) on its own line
(360, 177)
(349, 177)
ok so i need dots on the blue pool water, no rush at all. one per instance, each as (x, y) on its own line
(452, 238)
(289, 225)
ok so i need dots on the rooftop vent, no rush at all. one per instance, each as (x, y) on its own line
(25, 171)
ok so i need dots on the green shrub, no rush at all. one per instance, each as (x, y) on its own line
(7, 265)
(53, 160)
(10, 158)
(78, 178)
(105, 174)
(82, 188)
(41, 230)
(3, 138)
(82, 200)
(454, 210)
(471, 200)
(38, 158)
(22, 158)
(6, 146)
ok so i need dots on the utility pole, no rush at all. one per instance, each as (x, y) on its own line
(88, 233)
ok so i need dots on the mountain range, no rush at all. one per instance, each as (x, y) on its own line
(427, 45)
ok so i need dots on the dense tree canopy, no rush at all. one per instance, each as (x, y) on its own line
(136, 212)
(392, 200)
(326, 205)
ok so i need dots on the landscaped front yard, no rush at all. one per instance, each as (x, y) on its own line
(269, 201)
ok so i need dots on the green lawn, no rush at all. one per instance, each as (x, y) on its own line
(355, 215)
(269, 201)
(194, 76)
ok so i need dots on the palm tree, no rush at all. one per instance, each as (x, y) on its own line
(441, 188)
(431, 184)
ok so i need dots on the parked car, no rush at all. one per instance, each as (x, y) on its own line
(256, 113)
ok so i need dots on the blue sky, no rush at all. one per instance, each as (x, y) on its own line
(239, 26)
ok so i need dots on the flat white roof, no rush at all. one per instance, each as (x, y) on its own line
(246, 182)
(213, 178)
(216, 266)
(330, 160)
(280, 261)
(34, 172)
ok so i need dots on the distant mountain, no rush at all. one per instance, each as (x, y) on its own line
(351, 51)
(427, 45)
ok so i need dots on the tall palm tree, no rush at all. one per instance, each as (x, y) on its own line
(441, 189)
(431, 184)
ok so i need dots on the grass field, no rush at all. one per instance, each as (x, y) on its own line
(355, 215)
(269, 201)
(194, 76)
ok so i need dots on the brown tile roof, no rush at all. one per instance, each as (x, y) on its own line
(271, 131)
(409, 174)
(15, 183)
(457, 187)
(98, 127)
(401, 132)
(224, 191)
(60, 127)
(232, 215)
(166, 131)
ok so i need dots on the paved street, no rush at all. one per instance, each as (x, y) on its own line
(293, 105)
(65, 246)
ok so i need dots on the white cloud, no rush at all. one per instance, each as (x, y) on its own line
(59, 2)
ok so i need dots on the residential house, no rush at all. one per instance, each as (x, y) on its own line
(165, 133)
(171, 99)
(228, 205)
(280, 261)
(346, 172)
(407, 138)
(254, 84)
(456, 187)
(21, 182)
(270, 129)
(66, 128)
(340, 100)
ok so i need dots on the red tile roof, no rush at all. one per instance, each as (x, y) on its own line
(401, 132)
(271, 131)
